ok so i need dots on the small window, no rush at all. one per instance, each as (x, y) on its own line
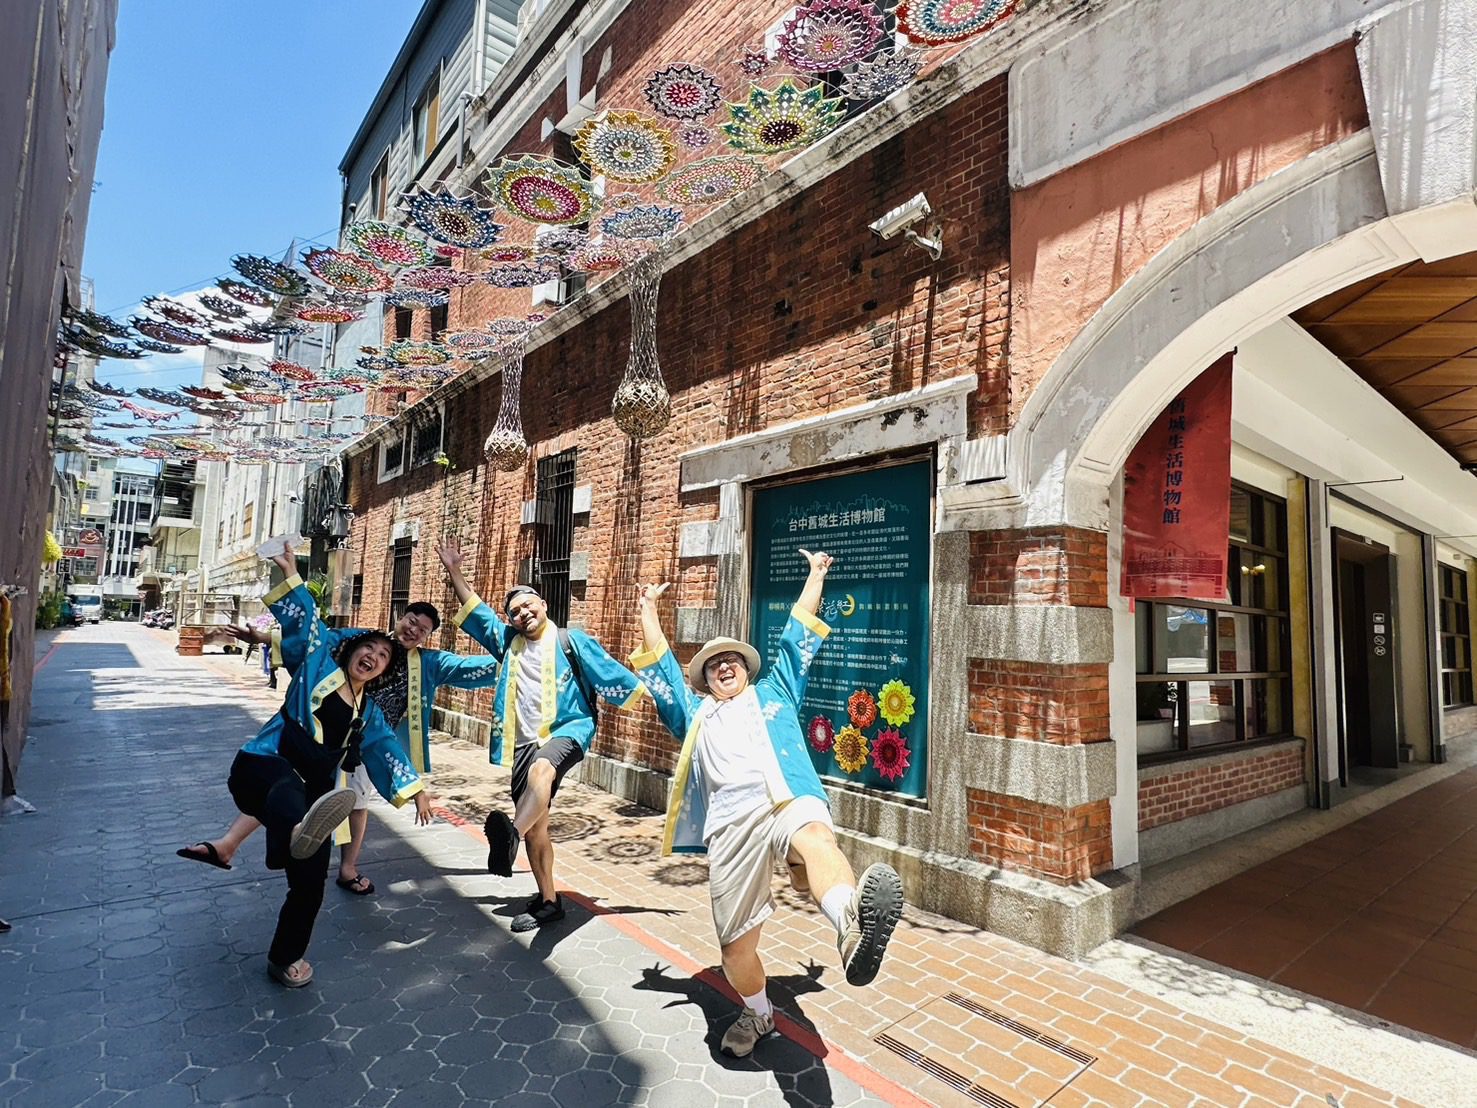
(379, 188)
(248, 518)
(440, 317)
(400, 579)
(425, 121)
(555, 537)
(426, 438)
(358, 597)
(404, 323)
(392, 458)
(1456, 639)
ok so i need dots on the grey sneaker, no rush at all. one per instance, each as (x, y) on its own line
(326, 813)
(744, 1033)
(870, 918)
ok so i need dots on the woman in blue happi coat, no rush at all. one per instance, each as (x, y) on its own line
(286, 777)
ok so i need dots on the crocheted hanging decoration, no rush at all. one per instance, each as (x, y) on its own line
(322, 392)
(386, 243)
(409, 353)
(786, 118)
(221, 307)
(465, 342)
(347, 271)
(317, 311)
(862, 708)
(896, 702)
(542, 190)
(539, 271)
(272, 276)
(642, 405)
(417, 298)
(850, 750)
(754, 62)
(200, 392)
(96, 321)
(682, 92)
(240, 377)
(648, 222)
(626, 146)
(506, 254)
(826, 35)
(941, 22)
(246, 294)
(376, 363)
(560, 240)
(280, 327)
(168, 332)
(437, 278)
(150, 346)
(264, 398)
(890, 754)
(175, 312)
(713, 180)
(623, 201)
(241, 335)
(293, 371)
(694, 136)
(506, 448)
(507, 328)
(443, 215)
(106, 389)
(451, 253)
(822, 734)
(104, 347)
(882, 76)
(603, 257)
(349, 375)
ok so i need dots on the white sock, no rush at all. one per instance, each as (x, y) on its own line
(835, 903)
(759, 1002)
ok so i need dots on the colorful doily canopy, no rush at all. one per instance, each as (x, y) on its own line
(292, 371)
(542, 190)
(271, 275)
(350, 272)
(450, 218)
(714, 180)
(943, 22)
(222, 307)
(882, 75)
(246, 294)
(245, 335)
(320, 311)
(645, 222)
(386, 243)
(604, 257)
(786, 118)
(826, 35)
(436, 278)
(417, 298)
(683, 91)
(409, 353)
(528, 275)
(170, 333)
(175, 312)
(96, 321)
(152, 346)
(626, 146)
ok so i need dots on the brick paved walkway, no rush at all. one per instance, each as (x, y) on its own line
(958, 1016)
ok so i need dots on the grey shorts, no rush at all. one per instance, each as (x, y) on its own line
(742, 858)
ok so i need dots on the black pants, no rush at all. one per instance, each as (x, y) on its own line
(267, 788)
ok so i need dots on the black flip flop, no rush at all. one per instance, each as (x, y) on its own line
(353, 885)
(213, 857)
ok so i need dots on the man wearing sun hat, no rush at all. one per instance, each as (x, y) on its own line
(745, 791)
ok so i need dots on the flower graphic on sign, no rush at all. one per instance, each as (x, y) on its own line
(897, 703)
(850, 749)
(822, 733)
(890, 753)
(862, 708)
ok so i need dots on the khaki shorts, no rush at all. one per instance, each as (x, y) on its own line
(741, 861)
(363, 787)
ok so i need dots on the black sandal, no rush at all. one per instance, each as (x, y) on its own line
(358, 885)
(212, 858)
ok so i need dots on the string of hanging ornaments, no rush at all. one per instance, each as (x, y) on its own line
(642, 404)
(506, 448)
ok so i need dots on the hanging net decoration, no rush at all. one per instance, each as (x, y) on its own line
(506, 448)
(221, 307)
(270, 275)
(826, 35)
(385, 243)
(539, 271)
(626, 146)
(883, 75)
(437, 278)
(682, 92)
(941, 22)
(175, 312)
(246, 294)
(787, 118)
(417, 298)
(712, 180)
(542, 190)
(459, 221)
(347, 271)
(642, 405)
(647, 221)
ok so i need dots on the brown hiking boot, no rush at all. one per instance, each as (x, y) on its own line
(744, 1033)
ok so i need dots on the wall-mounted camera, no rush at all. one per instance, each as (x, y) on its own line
(901, 219)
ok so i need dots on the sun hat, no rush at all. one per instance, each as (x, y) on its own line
(721, 645)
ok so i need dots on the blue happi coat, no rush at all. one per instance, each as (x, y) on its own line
(317, 676)
(565, 711)
(774, 703)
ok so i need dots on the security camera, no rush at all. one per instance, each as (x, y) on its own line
(292, 498)
(900, 219)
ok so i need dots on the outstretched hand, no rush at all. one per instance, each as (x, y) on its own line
(450, 552)
(820, 561)
(244, 634)
(650, 594)
(286, 561)
(422, 809)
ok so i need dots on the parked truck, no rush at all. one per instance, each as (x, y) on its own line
(87, 603)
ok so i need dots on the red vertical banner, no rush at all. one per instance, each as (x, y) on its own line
(1177, 495)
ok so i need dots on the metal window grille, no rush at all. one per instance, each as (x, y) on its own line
(556, 532)
(400, 580)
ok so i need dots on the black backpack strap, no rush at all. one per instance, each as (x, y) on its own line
(566, 643)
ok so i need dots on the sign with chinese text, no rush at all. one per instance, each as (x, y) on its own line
(866, 705)
(1177, 495)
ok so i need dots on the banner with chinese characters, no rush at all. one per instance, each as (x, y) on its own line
(1177, 495)
(866, 706)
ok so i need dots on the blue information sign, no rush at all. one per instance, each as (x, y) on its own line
(866, 704)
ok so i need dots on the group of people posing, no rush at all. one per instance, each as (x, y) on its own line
(357, 717)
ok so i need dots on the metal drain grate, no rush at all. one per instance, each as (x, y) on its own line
(944, 1073)
(1021, 1029)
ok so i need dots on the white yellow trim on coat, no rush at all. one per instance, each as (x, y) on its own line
(405, 792)
(679, 783)
(810, 622)
(274, 644)
(473, 602)
(282, 590)
(650, 656)
(413, 708)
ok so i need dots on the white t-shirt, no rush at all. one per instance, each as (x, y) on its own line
(731, 745)
(529, 687)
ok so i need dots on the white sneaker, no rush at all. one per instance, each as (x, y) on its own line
(870, 918)
(327, 812)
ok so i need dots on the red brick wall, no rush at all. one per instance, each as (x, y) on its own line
(1039, 565)
(1188, 789)
(800, 312)
(1045, 703)
(1065, 845)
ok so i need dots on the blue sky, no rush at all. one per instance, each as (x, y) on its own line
(224, 127)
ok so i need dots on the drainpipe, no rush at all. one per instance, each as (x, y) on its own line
(461, 127)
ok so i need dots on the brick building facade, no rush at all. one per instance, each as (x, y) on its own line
(797, 343)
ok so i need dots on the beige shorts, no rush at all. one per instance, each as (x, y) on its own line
(741, 861)
(363, 787)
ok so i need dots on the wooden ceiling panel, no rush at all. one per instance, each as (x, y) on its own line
(1402, 299)
(1354, 340)
(1454, 371)
(1324, 307)
(1462, 398)
(1380, 372)
(1429, 340)
(1463, 265)
(1411, 398)
(1449, 421)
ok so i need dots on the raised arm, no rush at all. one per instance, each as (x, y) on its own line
(450, 552)
(659, 670)
(810, 595)
(651, 622)
(802, 635)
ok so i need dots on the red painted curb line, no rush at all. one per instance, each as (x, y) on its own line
(43, 660)
(833, 1055)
